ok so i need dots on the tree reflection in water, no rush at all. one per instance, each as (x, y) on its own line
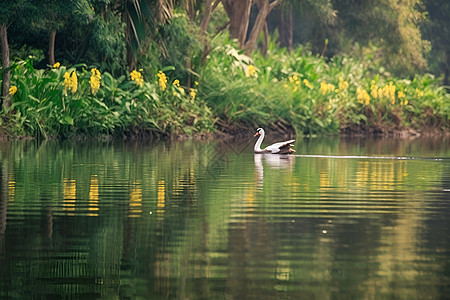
(185, 220)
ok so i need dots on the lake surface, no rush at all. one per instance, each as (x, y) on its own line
(343, 219)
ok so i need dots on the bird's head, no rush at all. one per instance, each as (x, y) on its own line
(259, 131)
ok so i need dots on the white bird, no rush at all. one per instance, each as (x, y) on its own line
(277, 148)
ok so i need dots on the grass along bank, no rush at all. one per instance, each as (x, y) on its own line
(309, 95)
(62, 102)
(297, 92)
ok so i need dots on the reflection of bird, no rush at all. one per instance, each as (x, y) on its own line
(274, 162)
(278, 161)
(259, 171)
(277, 148)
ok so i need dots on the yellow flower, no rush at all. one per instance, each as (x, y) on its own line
(195, 82)
(308, 84)
(95, 81)
(419, 93)
(400, 95)
(136, 76)
(331, 87)
(192, 93)
(324, 87)
(12, 90)
(374, 91)
(162, 81)
(74, 80)
(392, 91)
(294, 79)
(251, 71)
(343, 85)
(386, 91)
(176, 83)
(70, 82)
(362, 96)
(56, 65)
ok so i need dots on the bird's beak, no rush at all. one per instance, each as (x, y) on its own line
(256, 134)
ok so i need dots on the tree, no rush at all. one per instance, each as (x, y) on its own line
(209, 8)
(56, 14)
(437, 30)
(285, 27)
(264, 9)
(391, 25)
(321, 11)
(239, 13)
(5, 64)
(10, 10)
(142, 18)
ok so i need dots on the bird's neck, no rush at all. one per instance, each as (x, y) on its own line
(259, 142)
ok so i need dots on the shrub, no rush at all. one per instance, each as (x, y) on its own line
(62, 102)
(315, 96)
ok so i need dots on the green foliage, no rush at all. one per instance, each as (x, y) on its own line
(181, 42)
(13, 9)
(437, 31)
(107, 43)
(394, 27)
(47, 105)
(298, 90)
(312, 96)
(175, 45)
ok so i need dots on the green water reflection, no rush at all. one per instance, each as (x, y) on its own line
(211, 220)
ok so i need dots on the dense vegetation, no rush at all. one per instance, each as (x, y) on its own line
(315, 96)
(61, 101)
(132, 67)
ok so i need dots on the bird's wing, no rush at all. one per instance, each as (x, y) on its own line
(275, 148)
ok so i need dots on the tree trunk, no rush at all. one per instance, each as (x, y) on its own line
(239, 13)
(51, 48)
(206, 16)
(209, 8)
(286, 28)
(190, 10)
(290, 30)
(264, 9)
(447, 70)
(5, 65)
(266, 40)
(131, 58)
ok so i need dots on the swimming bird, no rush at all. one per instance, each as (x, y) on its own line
(277, 148)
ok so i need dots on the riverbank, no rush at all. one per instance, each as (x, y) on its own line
(289, 94)
(226, 131)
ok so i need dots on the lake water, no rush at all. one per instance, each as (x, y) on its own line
(342, 219)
